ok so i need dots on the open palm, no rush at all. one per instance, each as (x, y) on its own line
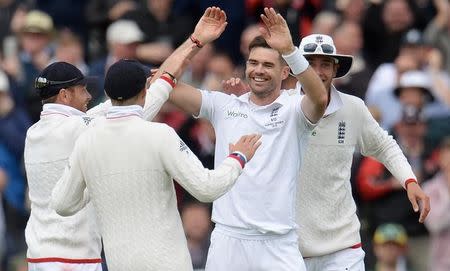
(211, 25)
(276, 31)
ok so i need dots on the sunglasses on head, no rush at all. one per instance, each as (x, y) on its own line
(42, 82)
(311, 48)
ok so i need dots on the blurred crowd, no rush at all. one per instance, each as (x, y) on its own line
(401, 70)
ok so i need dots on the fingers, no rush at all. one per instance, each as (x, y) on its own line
(424, 201)
(218, 13)
(269, 16)
(224, 16)
(207, 12)
(281, 20)
(222, 27)
(254, 138)
(256, 146)
(415, 204)
(425, 209)
(265, 20)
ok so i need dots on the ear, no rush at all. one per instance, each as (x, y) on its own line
(62, 96)
(285, 72)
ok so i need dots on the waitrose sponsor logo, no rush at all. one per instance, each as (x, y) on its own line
(236, 114)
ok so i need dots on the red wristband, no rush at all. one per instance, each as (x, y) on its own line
(409, 181)
(168, 80)
(196, 41)
(237, 157)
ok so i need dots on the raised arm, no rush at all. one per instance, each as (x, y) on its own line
(209, 27)
(277, 35)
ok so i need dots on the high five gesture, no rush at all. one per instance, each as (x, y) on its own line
(210, 26)
(276, 31)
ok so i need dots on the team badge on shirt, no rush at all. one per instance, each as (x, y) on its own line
(87, 120)
(341, 132)
(184, 147)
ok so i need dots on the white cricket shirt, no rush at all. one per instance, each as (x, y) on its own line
(263, 199)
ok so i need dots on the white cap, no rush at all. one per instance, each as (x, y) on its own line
(4, 82)
(124, 32)
(415, 79)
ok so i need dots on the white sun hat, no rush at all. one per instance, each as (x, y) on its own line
(318, 44)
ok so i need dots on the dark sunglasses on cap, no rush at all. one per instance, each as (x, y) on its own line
(42, 82)
(311, 48)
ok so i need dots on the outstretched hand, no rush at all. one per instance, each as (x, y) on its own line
(276, 32)
(247, 145)
(211, 25)
(419, 200)
(234, 86)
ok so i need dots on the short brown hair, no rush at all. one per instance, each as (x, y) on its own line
(260, 42)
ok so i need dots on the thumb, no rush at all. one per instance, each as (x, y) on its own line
(230, 148)
(415, 205)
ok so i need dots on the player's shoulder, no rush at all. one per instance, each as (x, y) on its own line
(154, 128)
(351, 100)
(220, 97)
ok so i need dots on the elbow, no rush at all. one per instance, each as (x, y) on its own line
(207, 198)
(62, 212)
(60, 209)
(322, 103)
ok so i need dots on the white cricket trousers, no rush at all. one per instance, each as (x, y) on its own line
(59, 266)
(241, 252)
(349, 259)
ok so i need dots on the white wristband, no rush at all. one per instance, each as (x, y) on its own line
(296, 61)
(241, 154)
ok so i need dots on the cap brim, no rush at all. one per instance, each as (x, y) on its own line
(429, 96)
(345, 62)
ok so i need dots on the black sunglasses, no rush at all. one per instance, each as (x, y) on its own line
(311, 48)
(42, 82)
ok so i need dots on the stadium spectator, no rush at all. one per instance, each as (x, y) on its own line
(438, 222)
(163, 30)
(325, 22)
(123, 38)
(390, 243)
(348, 40)
(413, 56)
(384, 25)
(36, 35)
(437, 32)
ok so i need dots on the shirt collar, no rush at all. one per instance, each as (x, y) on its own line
(335, 100)
(60, 109)
(115, 112)
(281, 100)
